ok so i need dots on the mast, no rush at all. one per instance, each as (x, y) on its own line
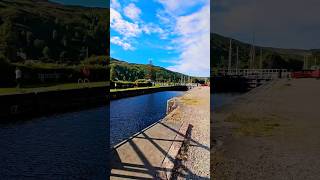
(250, 57)
(230, 54)
(253, 50)
(237, 64)
(307, 62)
(304, 61)
(260, 64)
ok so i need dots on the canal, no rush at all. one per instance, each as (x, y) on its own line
(66, 146)
(217, 100)
(131, 115)
(75, 145)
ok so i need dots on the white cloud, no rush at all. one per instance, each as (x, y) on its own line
(115, 4)
(121, 42)
(128, 30)
(169, 48)
(151, 28)
(164, 17)
(123, 27)
(179, 7)
(132, 12)
(189, 24)
(190, 32)
(171, 5)
(168, 21)
(193, 42)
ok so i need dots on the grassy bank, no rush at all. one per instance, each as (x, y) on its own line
(5, 91)
(136, 88)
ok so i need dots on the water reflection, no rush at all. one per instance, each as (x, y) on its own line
(219, 99)
(130, 115)
(67, 146)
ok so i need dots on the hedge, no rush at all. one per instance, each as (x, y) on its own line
(32, 73)
(126, 84)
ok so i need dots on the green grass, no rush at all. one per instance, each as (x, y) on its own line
(5, 91)
(137, 88)
(252, 125)
(190, 101)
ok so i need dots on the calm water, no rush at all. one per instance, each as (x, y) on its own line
(130, 115)
(219, 99)
(67, 146)
(74, 145)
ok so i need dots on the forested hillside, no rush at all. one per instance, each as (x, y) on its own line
(45, 39)
(291, 59)
(124, 71)
(50, 32)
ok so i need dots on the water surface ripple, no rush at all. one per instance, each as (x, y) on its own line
(65, 146)
(130, 115)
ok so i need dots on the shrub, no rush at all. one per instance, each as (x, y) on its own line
(126, 84)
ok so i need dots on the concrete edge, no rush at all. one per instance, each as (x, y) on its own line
(173, 152)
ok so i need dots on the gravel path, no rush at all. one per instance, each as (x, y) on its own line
(270, 133)
(195, 110)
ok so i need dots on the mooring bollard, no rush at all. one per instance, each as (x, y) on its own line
(171, 105)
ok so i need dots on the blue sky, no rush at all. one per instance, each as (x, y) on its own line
(285, 23)
(172, 33)
(87, 3)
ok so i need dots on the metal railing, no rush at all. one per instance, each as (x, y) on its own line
(255, 73)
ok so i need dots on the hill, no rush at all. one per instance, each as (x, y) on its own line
(291, 59)
(50, 32)
(124, 71)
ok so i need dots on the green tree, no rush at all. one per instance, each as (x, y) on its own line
(62, 55)
(46, 52)
(3, 60)
(29, 38)
(9, 39)
(39, 44)
(56, 21)
(275, 61)
(65, 41)
(112, 73)
(54, 34)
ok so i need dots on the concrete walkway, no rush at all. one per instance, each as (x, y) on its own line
(142, 156)
(151, 153)
(269, 133)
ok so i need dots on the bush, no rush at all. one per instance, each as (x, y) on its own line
(126, 84)
(141, 80)
(96, 60)
(7, 76)
(44, 73)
